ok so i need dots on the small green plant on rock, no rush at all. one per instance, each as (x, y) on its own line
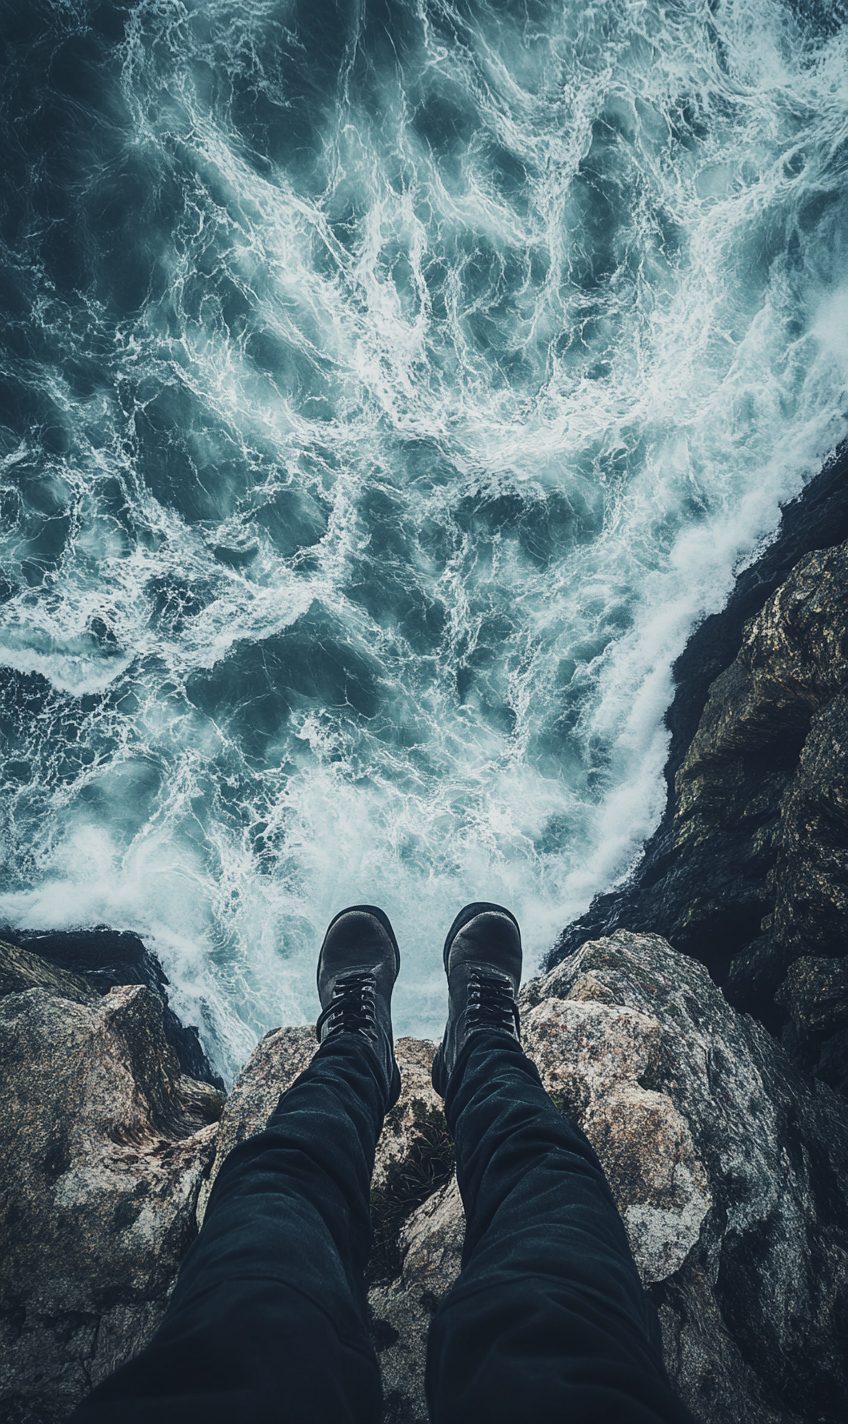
(426, 1167)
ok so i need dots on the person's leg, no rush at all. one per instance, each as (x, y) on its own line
(268, 1320)
(548, 1318)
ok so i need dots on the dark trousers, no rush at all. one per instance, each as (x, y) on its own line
(269, 1320)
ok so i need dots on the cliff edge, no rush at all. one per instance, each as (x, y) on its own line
(723, 1138)
(729, 1165)
(748, 870)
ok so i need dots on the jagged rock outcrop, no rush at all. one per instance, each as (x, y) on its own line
(730, 1168)
(729, 1165)
(106, 959)
(103, 1148)
(816, 519)
(724, 1145)
(21, 970)
(749, 870)
(767, 775)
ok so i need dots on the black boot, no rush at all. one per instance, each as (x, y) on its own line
(483, 964)
(357, 969)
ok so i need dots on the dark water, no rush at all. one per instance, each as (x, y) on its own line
(387, 389)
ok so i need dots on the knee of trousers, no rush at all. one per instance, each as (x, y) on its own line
(246, 1349)
(538, 1348)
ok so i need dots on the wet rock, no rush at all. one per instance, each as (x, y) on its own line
(749, 869)
(20, 970)
(792, 663)
(809, 882)
(729, 1166)
(103, 1147)
(767, 755)
(108, 959)
(816, 519)
(815, 995)
(815, 992)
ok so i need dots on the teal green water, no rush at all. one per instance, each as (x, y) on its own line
(388, 390)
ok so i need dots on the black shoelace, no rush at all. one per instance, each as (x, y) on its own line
(491, 1003)
(352, 1008)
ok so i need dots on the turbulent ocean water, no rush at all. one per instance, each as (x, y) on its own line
(388, 389)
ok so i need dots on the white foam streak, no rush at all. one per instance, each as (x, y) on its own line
(475, 398)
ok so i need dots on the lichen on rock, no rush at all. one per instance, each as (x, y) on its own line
(729, 1166)
(730, 1170)
(103, 1146)
(593, 1058)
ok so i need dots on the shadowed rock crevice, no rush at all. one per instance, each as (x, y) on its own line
(427, 1166)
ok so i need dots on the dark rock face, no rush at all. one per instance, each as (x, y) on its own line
(762, 784)
(748, 871)
(108, 959)
(21, 970)
(817, 519)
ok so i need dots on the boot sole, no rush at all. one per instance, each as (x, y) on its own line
(377, 914)
(470, 912)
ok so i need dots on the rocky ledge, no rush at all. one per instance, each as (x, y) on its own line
(724, 1143)
(102, 959)
(730, 1167)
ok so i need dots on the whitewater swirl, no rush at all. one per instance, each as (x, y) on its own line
(389, 389)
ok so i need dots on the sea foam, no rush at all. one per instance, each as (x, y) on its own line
(393, 390)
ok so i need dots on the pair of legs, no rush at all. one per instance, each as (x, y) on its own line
(269, 1319)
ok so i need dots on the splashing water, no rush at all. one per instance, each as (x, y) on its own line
(389, 388)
